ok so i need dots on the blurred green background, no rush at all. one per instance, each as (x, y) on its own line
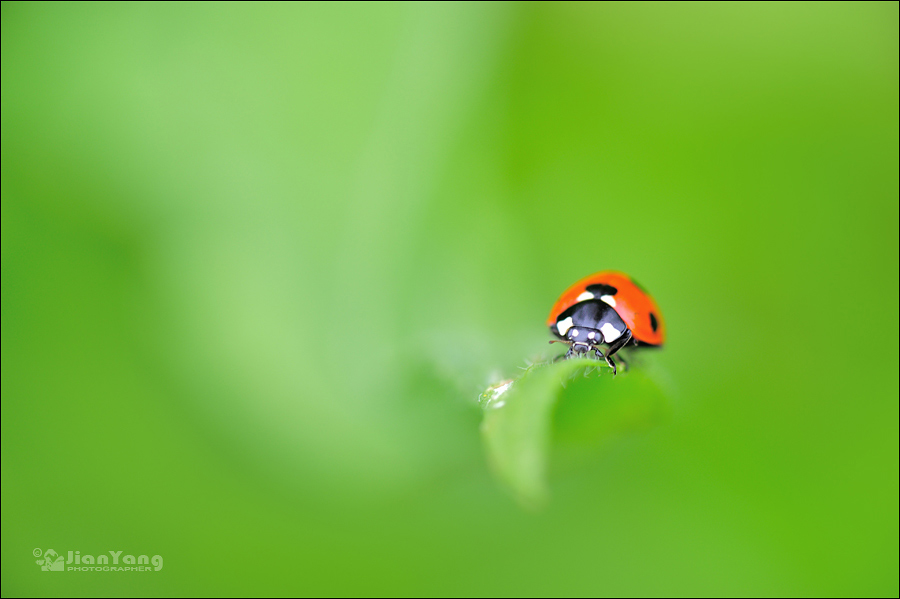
(258, 261)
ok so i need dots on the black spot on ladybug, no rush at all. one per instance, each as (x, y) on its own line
(654, 324)
(601, 289)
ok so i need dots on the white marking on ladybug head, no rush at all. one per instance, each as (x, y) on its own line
(564, 325)
(585, 295)
(591, 335)
(575, 333)
(610, 333)
(609, 300)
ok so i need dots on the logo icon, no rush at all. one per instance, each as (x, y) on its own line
(51, 562)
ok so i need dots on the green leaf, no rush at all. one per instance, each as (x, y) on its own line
(589, 404)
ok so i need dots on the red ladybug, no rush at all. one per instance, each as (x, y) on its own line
(605, 308)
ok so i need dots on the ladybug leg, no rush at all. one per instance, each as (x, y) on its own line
(611, 362)
(616, 346)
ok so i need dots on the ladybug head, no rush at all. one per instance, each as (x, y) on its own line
(583, 340)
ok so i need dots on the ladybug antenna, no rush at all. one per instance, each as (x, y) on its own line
(561, 341)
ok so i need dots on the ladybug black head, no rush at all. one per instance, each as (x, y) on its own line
(583, 339)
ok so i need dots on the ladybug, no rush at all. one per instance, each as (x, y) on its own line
(607, 308)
